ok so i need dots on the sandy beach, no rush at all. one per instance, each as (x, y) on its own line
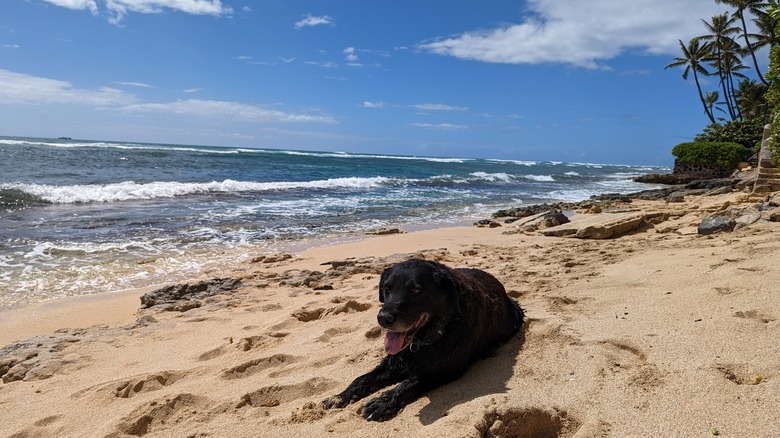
(656, 332)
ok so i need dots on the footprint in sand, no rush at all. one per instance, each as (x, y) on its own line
(351, 306)
(254, 366)
(157, 415)
(530, 422)
(275, 395)
(149, 383)
(741, 374)
(43, 422)
(39, 428)
(756, 316)
(628, 358)
(127, 388)
(335, 332)
(244, 344)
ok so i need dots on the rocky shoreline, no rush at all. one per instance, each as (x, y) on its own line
(552, 219)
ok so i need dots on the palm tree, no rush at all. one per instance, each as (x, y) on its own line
(711, 99)
(754, 6)
(751, 98)
(766, 24)
(693, 56)
(720, 30)
(732, 64)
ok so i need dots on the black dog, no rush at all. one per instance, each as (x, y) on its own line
(438, 321)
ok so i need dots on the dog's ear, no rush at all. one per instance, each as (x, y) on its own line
(450, 285)
(382, 280)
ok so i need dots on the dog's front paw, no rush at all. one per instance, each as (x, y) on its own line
(334, 402)
(380, 408)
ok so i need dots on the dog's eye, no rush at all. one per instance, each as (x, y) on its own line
(415, 290)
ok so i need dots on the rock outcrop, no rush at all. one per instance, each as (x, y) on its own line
(602, 226)
(183, 297)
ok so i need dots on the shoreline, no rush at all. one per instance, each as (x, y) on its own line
(120, 307)
(40, 317)
(656, 331)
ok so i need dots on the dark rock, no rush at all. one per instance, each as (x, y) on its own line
(274, 258)
(384, 231)
(664, 178)
(298, 278)
(183, 297)
(709, 184)
(548, 219)
(774, 215)
(523, 212)
(516, 213)
(487, 223)
(716, 224)
(553, 218)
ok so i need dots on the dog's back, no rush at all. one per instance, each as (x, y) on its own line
(492, 315)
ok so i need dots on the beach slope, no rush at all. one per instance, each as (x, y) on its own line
(657, 332)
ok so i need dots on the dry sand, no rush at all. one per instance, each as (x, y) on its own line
(649, 334)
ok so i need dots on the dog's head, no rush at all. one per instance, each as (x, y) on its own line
(418, 297)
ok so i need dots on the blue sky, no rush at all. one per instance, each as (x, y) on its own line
(567, 80)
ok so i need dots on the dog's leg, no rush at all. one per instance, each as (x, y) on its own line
(389, 403)
(390, 371)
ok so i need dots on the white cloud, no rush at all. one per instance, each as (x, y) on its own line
(310, 20)
(119, 8)
(322, 64)
(11, 46)
(350, 55)
(27, 89)
(193, 90)
(445, 126)
(438, 107)
(583, 34)
(368, 104)
(231, 110)
(135, 84)
(76, 4)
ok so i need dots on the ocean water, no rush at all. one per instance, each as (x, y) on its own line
(84, 217)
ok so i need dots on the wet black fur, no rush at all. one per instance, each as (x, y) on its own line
(470, 316)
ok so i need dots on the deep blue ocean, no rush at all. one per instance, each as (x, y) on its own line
(84, 217)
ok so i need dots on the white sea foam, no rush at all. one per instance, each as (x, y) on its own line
(351, 155)
(130, 190)
(540, 178)
(518, 162)
(494, 177)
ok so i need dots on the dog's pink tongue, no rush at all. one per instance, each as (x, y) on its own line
(394, 342)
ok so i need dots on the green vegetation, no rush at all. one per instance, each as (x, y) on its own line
(740, 106)
(773, 94)
(711, 154)
(748, 132)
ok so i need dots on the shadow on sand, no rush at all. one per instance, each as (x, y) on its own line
(486, 376)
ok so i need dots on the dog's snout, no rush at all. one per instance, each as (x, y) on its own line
(385, 318)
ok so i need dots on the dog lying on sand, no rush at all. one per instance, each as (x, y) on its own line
(438, 321)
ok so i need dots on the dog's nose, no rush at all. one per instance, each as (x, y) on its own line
(386, 319)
